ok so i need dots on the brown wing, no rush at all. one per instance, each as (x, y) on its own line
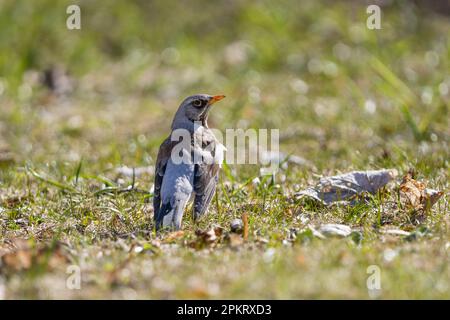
(205, 177)
(164, 153)
(205, 181)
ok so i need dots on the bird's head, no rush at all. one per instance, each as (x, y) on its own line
(195, 108)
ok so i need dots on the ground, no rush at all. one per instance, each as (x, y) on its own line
(343, 97)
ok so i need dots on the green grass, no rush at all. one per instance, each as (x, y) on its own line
(308, 70)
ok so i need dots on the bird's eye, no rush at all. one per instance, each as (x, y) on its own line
(197, 103)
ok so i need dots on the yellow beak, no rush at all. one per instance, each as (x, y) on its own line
(214, 99)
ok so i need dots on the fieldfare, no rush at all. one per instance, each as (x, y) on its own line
(188, 164)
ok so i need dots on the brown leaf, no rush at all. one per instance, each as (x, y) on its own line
(411, 192)
(208, 237)
(218, 231)
(415, 195)
(22, 256)
(56, 258)
(174, 236)
(18, 260)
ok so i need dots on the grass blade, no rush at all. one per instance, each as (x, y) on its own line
(53, 182)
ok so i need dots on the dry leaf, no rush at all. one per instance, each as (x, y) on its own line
(208, 237)
(395, 232)
(415, 195)
(348, 186)
(22, 256)
(173, 236)
(18, 260)
(335, 230)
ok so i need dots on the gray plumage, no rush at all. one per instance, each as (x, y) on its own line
(176, 183)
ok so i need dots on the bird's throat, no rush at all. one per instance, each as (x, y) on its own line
(204, 117)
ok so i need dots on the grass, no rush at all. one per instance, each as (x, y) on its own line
(344, 98)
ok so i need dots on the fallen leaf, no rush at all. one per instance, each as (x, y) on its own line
(207, 236)
(22, 256)
(327, 231)
(349, 185)
(396, 232)
(18, 260)
(415, 195)
(316, 233)
(173, 236)
(335, 230)
(412, 192)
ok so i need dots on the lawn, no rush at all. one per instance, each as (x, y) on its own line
(79, 109)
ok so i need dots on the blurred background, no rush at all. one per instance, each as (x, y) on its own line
(342, 95)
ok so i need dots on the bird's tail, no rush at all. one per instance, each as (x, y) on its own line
(170, 216)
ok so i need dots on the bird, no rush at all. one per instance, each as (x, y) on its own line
(196, 175)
